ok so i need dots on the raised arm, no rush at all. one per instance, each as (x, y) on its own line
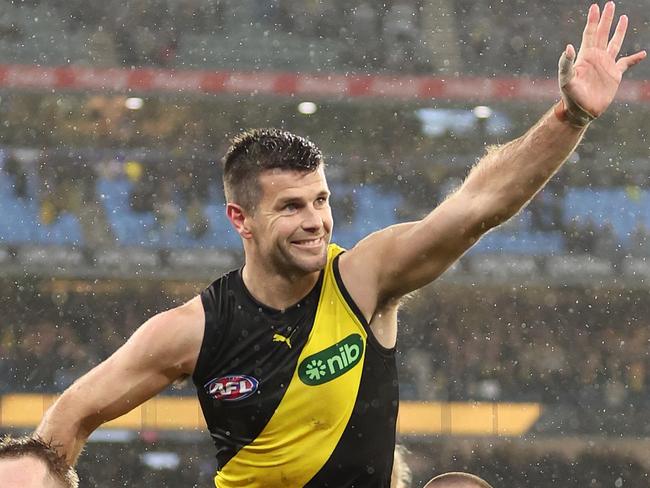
(400, 259)
(162, 350)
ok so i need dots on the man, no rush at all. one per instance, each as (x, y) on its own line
(32, 463)
(293, 355)
(457, 480)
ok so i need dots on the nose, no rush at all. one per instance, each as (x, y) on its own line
(312, 219)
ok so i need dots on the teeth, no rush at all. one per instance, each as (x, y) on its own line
(308, 242)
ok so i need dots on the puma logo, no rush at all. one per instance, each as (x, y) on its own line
(281, 338)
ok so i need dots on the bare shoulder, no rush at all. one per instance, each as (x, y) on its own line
(362, 267)
(189, 315)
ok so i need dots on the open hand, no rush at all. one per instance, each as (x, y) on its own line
(593, 80)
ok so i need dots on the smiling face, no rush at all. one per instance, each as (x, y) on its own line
(292, 222)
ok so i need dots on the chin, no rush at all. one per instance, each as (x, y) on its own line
(292, 261)
(310, 264)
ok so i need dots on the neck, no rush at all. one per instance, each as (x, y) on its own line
(274, 289)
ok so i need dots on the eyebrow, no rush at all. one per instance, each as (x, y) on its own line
(285, 200)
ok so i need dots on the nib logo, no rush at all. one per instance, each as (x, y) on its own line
(332, 362)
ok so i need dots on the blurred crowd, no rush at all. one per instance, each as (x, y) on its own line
(147, 461)
(164, 463)
(522, 467)
(586, 349)
(174, 187)
(386, 138)
(445, 36)
(71, 183)
(537, 32)
(75, 331)
(160, 32)
(171, 188)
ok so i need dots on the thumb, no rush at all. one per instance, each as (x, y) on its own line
(565, 66)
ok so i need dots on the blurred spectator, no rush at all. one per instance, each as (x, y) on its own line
(639, 240)
(581, 236)
(400, 34)
(165, 209)
(546, 209)
(101, 49)
(16, 171)
(10, 30)
(66, 184)
(362, 39)
(606, 244)
(198, 222)
(167, 52)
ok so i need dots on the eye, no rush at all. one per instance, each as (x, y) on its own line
(290, 207)
(320, 201)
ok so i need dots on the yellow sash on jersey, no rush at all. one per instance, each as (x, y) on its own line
(315, 410)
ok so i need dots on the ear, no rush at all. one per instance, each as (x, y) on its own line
(237, 216)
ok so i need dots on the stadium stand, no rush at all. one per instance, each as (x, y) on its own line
(405, 35)
(549, 346)
(80, 171)
(172, 464)
(137, 215)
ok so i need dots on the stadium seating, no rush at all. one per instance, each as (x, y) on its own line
(577, 348)
(130, 228)
(252, 51)
(620, 207)
(20, 222)
(371, 209)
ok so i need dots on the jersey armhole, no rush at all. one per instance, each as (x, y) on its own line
(210, 317)
(386, 351)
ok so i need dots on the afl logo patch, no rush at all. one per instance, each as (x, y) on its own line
(231, 388)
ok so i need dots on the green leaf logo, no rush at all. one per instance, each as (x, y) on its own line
(332, 362)
(315, 370)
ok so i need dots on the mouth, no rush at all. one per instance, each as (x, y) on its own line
(308, 243)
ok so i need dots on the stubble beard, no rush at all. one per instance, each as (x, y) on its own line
(288, 262)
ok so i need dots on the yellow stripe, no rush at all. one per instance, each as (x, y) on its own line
(24, 411)
(308, 423)
(470, 418)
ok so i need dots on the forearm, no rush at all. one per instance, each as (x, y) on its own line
(163, 350)
(508, 176)
(94, 400)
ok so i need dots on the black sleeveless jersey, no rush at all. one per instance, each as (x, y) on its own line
(304, 397)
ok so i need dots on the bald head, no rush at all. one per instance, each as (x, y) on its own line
(457, 480)
(30, 462)
(27, 472)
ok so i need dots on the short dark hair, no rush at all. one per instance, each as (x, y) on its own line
(258, 150)
(35, 446)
